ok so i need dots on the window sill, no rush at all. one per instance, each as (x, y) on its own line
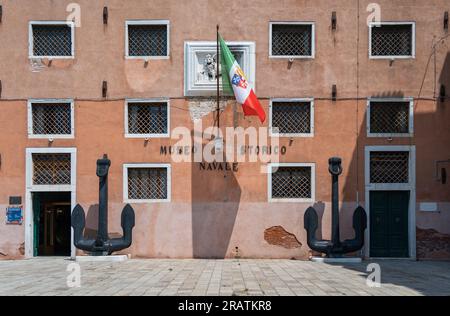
(146, 58)
(146, 201)
(51, 136)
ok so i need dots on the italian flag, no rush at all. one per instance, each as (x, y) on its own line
(242, 90)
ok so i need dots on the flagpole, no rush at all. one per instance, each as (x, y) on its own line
(218, 81)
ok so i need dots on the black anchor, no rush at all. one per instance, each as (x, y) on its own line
(335, 248)
(103, 245)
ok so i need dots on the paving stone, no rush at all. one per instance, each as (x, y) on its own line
(48, 277)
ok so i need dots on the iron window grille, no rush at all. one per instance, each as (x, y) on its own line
(51, 169)
(147, 119)
(292, 117)
(51, 39)
(291, 183)
(147, 184)
(292, 40)
(51, 119)
(147, 39)
(390, 117)
(392, 40)
(389, 167)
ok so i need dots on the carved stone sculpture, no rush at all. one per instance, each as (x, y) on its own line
(210, 67)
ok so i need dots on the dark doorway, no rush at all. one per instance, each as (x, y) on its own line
(52, 230)
(389, 224)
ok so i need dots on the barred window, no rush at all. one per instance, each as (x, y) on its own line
(389, 117)
(51, 169)
(147, 118)
(389, 167)
(292, 182)
(392, 40)
(147, 183)
(292, 117)
(292, 39)
(52, 39)
(148, 39)
(51, 119)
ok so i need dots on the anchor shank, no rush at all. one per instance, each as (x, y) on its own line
(335, 168)
(103, 209)
(102, 173)
(335, 233)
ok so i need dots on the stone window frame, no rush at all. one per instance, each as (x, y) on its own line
(313, 39)
(146, 136)
(390, 135)
(147, 22)
(31, 55)
(410, 186)
(287, 100)
(413, 30)
(270, 170)
(30, 188)
(31, 134)
(147, 165)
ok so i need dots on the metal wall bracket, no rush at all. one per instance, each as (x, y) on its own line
(105, 15)
(105, 89)
(446, 21)
(334, 21)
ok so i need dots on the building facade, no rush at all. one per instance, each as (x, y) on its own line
(121, 76)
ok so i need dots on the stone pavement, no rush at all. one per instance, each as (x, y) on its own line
(222, 277)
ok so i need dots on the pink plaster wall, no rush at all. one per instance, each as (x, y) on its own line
(198, 222)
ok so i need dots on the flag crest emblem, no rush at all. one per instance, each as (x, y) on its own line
(239, 79)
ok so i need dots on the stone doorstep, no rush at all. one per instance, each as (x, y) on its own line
(119, 258)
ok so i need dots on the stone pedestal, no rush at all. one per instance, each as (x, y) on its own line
(119, 258)
(337, 260)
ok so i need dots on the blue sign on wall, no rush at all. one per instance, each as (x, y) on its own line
(14, 215)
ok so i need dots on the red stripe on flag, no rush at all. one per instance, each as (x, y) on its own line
(252, 107)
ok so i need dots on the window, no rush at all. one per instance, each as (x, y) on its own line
(51, 168)
(390, 117)
(389, 167)
(292, 40)
(392, 40)
(147, 118)
(291, 182)
(147, 39)
(51, 40)
(50, 119)
(146, 183)
(292, 117)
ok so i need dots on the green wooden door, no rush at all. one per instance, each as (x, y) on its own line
(389, 224)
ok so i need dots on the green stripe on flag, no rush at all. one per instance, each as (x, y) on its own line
(226, 62)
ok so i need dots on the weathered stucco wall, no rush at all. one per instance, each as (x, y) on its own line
(210, 215)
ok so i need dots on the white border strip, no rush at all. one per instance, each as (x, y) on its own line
(311, 122)
(30, 188)
(71, 24)
(410, 186)
(410, 117)
(146, 165)
(272, 166)
(313, 40)
(51, 136)
(377, 24)
(146, 136)
(147, 22)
